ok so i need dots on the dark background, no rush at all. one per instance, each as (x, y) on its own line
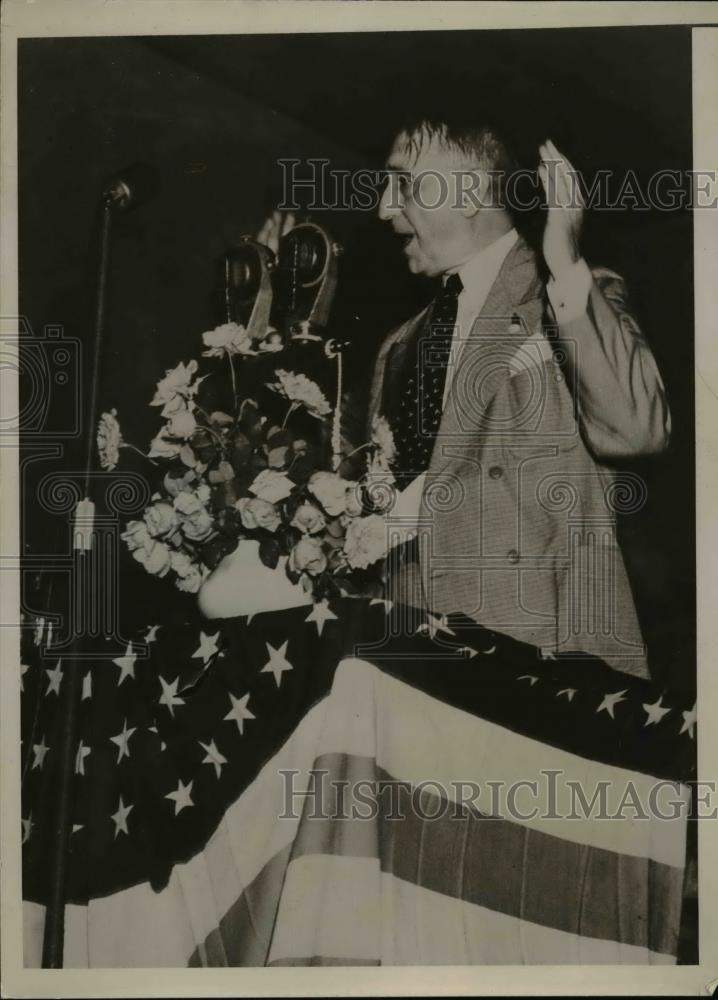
(213, 115)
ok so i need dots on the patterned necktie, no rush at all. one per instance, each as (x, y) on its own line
(421, 399)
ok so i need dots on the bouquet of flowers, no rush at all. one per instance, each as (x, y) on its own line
(251, 447)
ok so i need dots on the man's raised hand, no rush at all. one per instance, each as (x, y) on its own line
(562, 234)
(277, 225)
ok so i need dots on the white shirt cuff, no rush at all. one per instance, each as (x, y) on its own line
(569, 294)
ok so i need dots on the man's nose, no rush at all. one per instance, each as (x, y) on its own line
(389, 203)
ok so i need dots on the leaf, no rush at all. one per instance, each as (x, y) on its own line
(302, 467)
(224, 495)
(220, 419)
(241, 449)
(223, 473)
(213, 552)
(278, 438)
(229, 521)
(201, 439)
(187, 456)
(269, 552)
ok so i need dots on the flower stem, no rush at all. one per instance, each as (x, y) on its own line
(208, 427)
(126, 444)
(367, 444)
(234, 380)
(244, 403)
(292, 407)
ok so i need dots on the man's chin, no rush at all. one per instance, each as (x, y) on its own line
(422, 267)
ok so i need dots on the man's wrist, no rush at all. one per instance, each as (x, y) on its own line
(568, 290)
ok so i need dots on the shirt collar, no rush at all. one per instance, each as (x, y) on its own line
(480, 271)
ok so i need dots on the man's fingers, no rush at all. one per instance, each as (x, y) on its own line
(543, 176)
(275, 226)
(568, 186)
(265, 232)
(288, 222)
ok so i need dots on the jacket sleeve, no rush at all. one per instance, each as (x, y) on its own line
(622, 407)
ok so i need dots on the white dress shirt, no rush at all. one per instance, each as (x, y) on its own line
(568, 299)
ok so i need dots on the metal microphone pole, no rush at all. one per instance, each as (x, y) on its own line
(54, 931)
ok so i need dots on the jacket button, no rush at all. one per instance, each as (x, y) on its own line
(513, 556)
(496, 472)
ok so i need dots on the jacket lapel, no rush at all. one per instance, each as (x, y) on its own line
(397, 354)
(512, 311)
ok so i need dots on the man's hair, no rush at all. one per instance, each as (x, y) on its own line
(481, 139)
(484, 142)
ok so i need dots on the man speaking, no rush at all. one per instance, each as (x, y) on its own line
(509, 397)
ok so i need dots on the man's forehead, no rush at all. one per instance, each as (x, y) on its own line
(412, 151)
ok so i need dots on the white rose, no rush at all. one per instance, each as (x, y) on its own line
(187, 503)
(182, 424)
(160, 519)
(177, 382)
(181, 563)
(204, 493)
(309, 519)
(174, 485)
(161, 447)
(191, 582)
(257, 513)
(136, 536)
(198, 526)
(307, 556)
(156, 561)
(331, 491)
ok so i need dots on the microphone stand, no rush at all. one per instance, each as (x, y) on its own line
(54, 930)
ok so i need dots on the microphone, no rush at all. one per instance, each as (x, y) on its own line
(131, 186)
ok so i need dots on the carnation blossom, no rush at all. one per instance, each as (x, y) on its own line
(229, 338)
(109, 440)
(383, 438)
(301, 390)
(365, 541)
(380, 480)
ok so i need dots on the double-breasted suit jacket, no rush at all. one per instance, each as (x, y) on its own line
(517, 516)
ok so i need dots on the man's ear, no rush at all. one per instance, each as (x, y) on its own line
(473, 191)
